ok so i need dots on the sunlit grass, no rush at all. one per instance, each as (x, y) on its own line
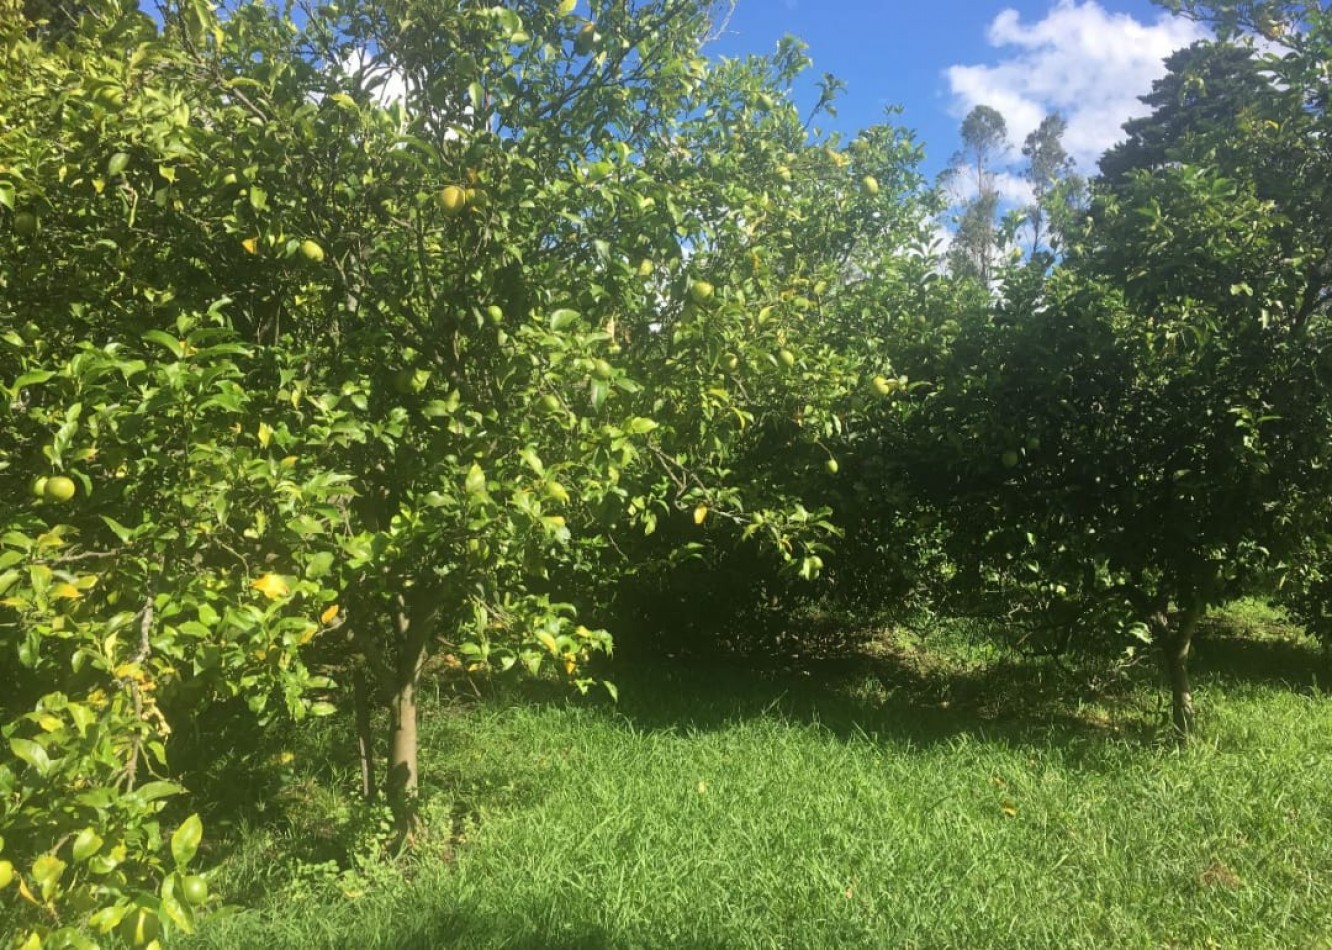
(942, 796)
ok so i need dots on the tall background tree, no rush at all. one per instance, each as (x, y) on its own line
(973, 174)
(1057, 190)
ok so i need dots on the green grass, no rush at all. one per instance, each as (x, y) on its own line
(938, 794)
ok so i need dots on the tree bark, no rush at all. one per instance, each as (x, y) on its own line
(412, 641)
(1176, 642)
(365, 745)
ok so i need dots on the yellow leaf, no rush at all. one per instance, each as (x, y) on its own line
(251, 245)
(330, 614)
(27, 894)
(702, 788)
(1009, 809)
(570, 664)
(700, 514)
(265, 434)
(289, 462)
(307, 635)
(50, 539)
(272, 586)
(66, 592)
(548, 642)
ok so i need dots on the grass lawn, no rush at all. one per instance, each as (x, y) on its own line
(937, 793)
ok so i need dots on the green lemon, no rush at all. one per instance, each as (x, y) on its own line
(700, 292)
(453, 199)
(58, 488)
(194, 889)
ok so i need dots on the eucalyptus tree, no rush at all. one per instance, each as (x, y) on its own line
(1058, 192)
(975, 168)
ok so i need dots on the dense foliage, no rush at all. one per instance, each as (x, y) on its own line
(421, 340)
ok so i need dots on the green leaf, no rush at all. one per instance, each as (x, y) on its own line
(167, 340)
(86, 843)
(562, 318)
(47, 871)
(32, 753)
(185, 840)
(108, 918)
(32, 379)
(179, 914)
(475, 483)
(319, 565)
(151, 791)
(83, 717)
(118, 529)
(600, 390)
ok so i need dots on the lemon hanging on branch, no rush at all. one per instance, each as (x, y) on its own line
(453, 200)
(58, 488)
(700, 292)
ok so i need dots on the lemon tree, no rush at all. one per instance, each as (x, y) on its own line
(334, 349)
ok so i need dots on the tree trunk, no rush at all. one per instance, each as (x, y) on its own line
(365, 746)
(1176, 643)
(412, 640)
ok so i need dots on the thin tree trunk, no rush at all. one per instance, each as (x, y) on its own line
(412, 636)
(1176, 643)
(365, 743)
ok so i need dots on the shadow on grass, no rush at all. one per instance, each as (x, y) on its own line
(463, 931)
(887, 698)
(1274, 655)
(477, 931)
(906, 690)
(457, 928)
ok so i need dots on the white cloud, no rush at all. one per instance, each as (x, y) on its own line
(1080, 60)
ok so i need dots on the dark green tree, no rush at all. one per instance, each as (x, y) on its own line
(1210, 90)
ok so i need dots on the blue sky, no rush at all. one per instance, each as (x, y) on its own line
(1089, 59)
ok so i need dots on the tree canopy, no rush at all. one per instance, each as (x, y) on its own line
(400, 342)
